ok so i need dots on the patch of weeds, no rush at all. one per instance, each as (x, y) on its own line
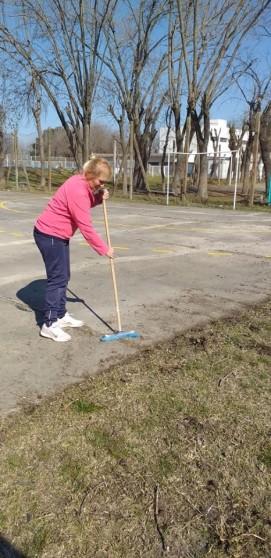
(3, 520)
(169, 404)
(147, 424)
(264, 359)
(265, 457)
(116, 446)
(44, 454)
(13, 462)
(39, 540)
(83, 406)
(168, 464)
(71, 469)
(265, 325)
(263, 376)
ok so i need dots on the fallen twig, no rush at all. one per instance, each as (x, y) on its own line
(156, 512)
(222, 380)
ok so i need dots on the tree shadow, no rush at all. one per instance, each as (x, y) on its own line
(33, 295)
(7, 550)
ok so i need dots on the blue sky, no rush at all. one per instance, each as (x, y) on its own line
(231, 106)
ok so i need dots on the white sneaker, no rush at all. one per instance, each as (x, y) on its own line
(68, 321)
(54, 332)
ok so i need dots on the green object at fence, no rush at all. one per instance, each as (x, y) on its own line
(269, 192)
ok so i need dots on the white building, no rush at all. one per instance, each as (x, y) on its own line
(219, 129)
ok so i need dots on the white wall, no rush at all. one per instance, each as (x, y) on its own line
(220, 126)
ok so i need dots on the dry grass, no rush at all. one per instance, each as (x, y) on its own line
(165, 455)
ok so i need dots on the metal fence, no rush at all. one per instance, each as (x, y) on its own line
(34, 162)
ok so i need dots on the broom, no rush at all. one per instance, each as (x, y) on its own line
(117, 334)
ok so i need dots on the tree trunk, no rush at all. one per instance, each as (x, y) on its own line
(125, 172)
(246, 168)
(144, 143)
(265, 143)
(165, 146)
(203, 134)
(186, 156)
(266, 157)
(36, 110)
(178, 174)
(215, 141)
(163, 160)
(246, 165)
(235, 144)
(2, 152)
(86, 138)
(203, 172)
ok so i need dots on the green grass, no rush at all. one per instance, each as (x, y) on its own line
(170, 449)
(218, 197)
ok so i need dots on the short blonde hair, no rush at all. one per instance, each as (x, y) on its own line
(97, 168)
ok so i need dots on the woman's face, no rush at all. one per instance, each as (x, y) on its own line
(94, 182)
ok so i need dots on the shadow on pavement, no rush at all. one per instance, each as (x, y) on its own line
(33, 295)
(8, 551)
(77, 299)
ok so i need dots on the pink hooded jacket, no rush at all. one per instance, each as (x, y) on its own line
(69, 210)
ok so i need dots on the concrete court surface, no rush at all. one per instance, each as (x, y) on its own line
(176, 267)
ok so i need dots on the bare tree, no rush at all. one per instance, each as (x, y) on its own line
(212, 33)
(136, 59)
(24, 94)
(257, 125)
(177, 89)
(65, 38)
(175, 77)
(101, 138)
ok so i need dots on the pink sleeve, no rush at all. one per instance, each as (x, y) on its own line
(80, 212)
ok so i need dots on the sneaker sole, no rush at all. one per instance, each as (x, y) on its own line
(54, 338)
(69, 325)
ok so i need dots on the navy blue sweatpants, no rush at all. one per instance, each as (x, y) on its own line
(56, 256)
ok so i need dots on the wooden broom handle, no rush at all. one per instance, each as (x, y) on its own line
(112, 267)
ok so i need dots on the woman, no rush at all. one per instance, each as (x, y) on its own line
(67, 211)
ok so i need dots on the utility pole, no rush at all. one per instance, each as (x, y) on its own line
(255, 151)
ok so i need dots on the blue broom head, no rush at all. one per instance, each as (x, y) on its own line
(119, 335)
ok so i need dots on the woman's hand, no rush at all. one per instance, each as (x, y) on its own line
(105, 194)
(110, 253)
